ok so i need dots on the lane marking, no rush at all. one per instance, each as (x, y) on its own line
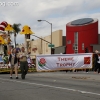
(62, 88)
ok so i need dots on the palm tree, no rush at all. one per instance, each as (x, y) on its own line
(16, 31)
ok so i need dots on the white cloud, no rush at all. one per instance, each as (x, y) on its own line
(58, 12)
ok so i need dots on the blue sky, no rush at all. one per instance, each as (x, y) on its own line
(58, 12)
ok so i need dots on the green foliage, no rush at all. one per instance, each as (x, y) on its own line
(16, 28)
(5, 58)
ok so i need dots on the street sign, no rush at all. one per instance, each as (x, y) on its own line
(51, 45)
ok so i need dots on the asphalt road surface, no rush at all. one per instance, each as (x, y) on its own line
(51, 86)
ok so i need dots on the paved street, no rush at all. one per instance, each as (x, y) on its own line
(51, 86)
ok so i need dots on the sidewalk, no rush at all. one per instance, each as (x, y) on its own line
(84, 75)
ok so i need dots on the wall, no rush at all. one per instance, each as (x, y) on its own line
(45, 48)
(57, 38)
(64, 40)
(36, 44)
(98, 38)
(61, 49)
(96, 47)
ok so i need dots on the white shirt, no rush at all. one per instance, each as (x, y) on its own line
(99, 59)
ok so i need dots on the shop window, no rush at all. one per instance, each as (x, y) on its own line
(76, 37)
(76, 42)
(82, 46)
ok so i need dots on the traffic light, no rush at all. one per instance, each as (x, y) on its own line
(52, 51)
(86, 50)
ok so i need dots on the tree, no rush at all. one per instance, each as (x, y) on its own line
(16, 31)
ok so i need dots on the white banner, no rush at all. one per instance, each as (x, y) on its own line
(63, 61)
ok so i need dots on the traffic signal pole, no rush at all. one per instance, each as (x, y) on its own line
(52, 49)
(41, 39)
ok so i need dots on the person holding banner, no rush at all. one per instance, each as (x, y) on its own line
(99, 64)
(96, 60)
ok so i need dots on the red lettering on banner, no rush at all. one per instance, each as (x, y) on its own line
(61, 64)
(62, 59)
(65, 59)
(58, 58)
(65, 64)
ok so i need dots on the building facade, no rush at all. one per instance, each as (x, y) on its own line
(80, 34)
(40, 46)
(96, 46)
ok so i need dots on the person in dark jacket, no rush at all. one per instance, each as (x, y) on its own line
(13, 61)
(96, 60)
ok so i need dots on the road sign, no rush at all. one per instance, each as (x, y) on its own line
(51, 45)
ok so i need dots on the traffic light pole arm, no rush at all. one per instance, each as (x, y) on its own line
(41, 39)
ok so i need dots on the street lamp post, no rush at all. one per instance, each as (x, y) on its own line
(51, 31)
